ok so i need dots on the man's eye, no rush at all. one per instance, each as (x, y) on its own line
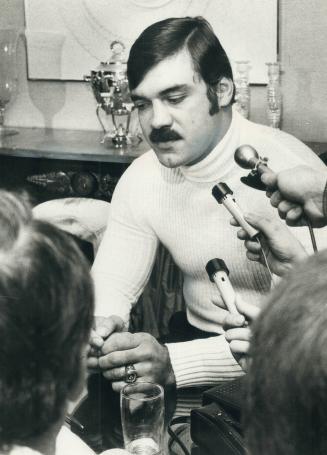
(176, 99)
(141, 106)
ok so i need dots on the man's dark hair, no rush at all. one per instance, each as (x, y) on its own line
(167, 37)
(286, 409)
(46, 308)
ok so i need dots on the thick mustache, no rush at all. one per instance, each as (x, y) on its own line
(164, 135)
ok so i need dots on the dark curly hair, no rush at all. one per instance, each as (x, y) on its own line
(167, 37)
(46, 308)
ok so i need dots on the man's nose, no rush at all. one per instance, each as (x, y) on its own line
(160, 115)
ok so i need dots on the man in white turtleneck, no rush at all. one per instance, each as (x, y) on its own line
(182, 86)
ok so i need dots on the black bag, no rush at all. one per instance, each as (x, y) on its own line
(216, 426)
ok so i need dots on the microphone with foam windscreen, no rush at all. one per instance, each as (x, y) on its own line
(224, 195)
(218, 273)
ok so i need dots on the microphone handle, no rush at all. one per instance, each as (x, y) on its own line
(226, 290)
(231, 205)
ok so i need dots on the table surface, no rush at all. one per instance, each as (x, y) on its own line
(67, 145)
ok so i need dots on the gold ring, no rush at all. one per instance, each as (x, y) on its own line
(130, 374)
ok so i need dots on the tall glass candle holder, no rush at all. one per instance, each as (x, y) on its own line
(8, 73)
(242, 88)
(274, 95)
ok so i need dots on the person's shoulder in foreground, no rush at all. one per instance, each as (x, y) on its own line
(68, 443)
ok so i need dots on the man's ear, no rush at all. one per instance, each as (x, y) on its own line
(225, 90)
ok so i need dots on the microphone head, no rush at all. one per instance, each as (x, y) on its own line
(221, 190)
(214, 266)
(246, 156)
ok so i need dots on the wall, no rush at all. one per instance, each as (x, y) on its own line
(42, 103)
(302, 35)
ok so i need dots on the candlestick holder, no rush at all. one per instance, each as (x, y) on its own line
(8, 74)
(274, 95)
(242, 88)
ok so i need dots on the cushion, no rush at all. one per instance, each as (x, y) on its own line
(83, 217)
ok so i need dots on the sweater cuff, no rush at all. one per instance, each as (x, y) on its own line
(324, 201)
(203, 362)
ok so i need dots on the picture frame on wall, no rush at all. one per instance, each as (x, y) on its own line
(66, 39)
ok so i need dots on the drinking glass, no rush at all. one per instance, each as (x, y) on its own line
(8, 73)
(142, 414)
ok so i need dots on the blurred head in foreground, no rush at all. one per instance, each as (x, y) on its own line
(286, 409)
(46, 308)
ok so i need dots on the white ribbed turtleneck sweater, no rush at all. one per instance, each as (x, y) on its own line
(152, 203)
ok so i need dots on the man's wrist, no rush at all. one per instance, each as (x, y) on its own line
(170, 377)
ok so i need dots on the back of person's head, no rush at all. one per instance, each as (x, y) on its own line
(286, 409)
(46, 307)
(169, 36)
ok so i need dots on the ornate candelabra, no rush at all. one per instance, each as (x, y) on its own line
(110, 88)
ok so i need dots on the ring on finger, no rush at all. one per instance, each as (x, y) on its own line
(130, 374)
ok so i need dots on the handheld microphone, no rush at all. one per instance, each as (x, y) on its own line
(224, 195)
(218, 273)
(247, 157)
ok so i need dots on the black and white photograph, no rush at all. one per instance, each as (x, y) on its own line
(163, 227)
